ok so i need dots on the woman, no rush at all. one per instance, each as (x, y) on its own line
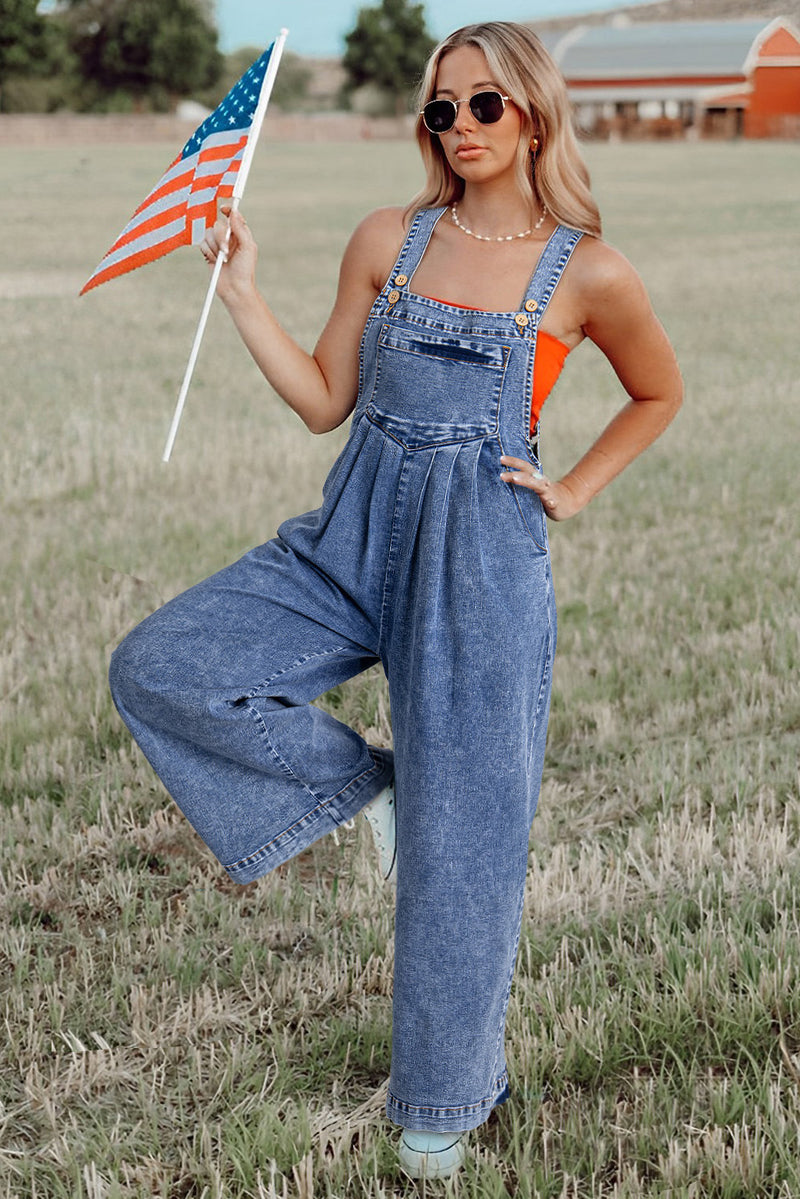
(428, 554)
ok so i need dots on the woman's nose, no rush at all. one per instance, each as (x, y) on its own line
(464, 118)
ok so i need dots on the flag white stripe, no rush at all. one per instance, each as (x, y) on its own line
(174, 172)
(200, 199)
(173, 200)
(201, 195)
(222, 138)
(211, 166)
(153, 238)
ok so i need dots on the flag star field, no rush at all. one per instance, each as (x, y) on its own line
(235, 110)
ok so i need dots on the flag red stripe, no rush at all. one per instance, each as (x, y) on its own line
(164, 188)
(166, 217)
(207, 182)
(138, 259)
(229, 150)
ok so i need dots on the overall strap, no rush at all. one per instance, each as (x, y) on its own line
(549, 269)
(415, 245)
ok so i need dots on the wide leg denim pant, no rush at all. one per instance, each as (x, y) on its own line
(423, 559)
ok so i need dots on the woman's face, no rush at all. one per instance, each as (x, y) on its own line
(477, 153)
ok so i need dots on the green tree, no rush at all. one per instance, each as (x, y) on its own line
(28, 47)
(156, 52)
(388, 47)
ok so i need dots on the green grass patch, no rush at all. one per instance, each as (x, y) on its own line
(170, 1034)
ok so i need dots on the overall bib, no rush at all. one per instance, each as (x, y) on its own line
(423, 559)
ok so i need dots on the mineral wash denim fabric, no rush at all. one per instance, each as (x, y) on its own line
(423, 559)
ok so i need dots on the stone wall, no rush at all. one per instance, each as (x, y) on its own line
(32, 129)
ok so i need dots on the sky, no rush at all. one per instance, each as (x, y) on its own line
(317, 27)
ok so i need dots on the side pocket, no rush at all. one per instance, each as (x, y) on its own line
(531, 513)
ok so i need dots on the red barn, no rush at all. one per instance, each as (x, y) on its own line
(713, 78)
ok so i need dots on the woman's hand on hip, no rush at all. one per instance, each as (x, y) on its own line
(558, 501)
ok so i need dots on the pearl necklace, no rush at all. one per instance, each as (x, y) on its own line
(510, 237)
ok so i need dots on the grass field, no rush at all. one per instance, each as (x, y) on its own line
(169, 1034)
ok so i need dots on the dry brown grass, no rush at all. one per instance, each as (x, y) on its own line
(169, 1034)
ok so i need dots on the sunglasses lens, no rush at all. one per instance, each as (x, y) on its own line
(487, 107)
(439, 115)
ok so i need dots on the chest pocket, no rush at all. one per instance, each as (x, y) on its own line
(436, 387)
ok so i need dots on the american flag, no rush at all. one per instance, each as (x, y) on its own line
(183, 204)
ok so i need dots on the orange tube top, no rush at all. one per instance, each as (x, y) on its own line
(550, 357)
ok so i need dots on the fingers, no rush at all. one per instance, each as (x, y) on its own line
(212, 243)
(228, 233)
(232, 230)
(524, 474)
(237, 222)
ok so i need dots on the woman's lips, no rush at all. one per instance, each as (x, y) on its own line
(469, 151)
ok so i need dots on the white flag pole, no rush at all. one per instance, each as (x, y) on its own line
(238, 192)
(258, 118)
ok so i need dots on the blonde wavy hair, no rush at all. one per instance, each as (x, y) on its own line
(523, 69)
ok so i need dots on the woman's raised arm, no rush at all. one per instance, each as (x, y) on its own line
(320, 387)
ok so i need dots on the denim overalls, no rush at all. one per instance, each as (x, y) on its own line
(422, 558)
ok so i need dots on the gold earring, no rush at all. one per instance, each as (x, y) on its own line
(534, 144)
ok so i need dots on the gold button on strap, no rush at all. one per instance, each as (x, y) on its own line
(521, 319)
(394, 296)
(400, 280)
(531, 305)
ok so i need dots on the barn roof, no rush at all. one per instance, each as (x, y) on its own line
(655, 49)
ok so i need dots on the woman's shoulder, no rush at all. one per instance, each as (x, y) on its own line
(377, 240)
(601, 272)
(605, 290)
(382, 225)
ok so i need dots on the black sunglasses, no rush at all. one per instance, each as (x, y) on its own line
(486, 107)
